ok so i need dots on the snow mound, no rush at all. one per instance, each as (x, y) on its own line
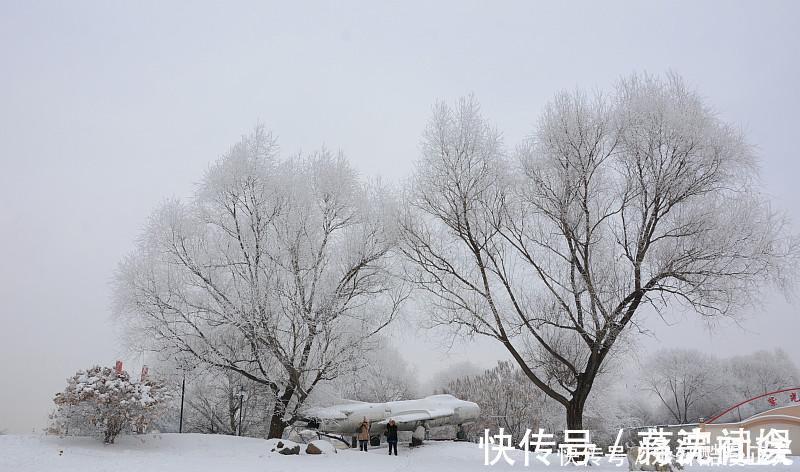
(303, 436)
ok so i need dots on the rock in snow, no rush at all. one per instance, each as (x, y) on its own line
(283, 446)
(290, 451)
(312, 449)
(320, 447)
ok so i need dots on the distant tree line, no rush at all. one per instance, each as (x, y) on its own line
(671, 386)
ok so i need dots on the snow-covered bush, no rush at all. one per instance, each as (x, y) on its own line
(105, 401)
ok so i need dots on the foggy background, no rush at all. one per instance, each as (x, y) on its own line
(107, 108)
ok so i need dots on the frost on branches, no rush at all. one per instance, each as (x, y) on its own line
(106, 401)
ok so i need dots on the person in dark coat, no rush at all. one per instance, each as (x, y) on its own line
(391, 436)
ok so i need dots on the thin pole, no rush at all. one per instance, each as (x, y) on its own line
(241, 397)
(183, 390)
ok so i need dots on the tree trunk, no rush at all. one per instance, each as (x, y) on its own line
(575, 417)
(232, 407)
(276, 426)
(575, 413)
(276, 423)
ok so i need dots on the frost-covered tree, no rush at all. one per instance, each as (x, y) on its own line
(106, 401)
(383, 377)
(750, 375)
(277, 270)
(508, 400)
(213, 402)
(760, 372)
(644, 199)
(688, 383)
(611, 407)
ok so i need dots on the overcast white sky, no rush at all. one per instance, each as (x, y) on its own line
(108, 107)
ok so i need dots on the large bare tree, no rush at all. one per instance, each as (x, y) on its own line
(278, 270)
(643, 199)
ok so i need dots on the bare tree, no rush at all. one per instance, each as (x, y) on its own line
(278, 270)
(643, 199)
(686, 383)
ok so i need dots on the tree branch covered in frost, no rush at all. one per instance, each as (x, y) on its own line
(641, 198)
(278, 270)
(508, 400)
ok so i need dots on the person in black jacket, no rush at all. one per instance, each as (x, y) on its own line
(391, 436)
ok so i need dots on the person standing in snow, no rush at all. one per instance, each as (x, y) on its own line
(391, 436)
(363, 435)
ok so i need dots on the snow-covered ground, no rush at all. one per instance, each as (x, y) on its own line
(198, 453)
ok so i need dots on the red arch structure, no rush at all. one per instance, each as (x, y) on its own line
(796, 398)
